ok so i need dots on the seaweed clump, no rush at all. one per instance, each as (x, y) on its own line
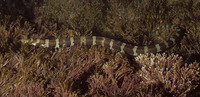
(117, 79)
(81, 16)
(168, 72)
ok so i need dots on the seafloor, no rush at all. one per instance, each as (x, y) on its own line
(95, 71)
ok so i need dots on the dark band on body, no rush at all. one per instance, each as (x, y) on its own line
(107, 43)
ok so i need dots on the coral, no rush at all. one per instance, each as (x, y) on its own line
(45, 29)
(168, 71)
(61, 89)
(113, 86)
(129, 21)
(117, 79)
(95, 71)
(78, 15)
(30, 89)
(190, 22)
(82, 65)
(11, 32)
(192, 39)
(134, 21)
(151, 90)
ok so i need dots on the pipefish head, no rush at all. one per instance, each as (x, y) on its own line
(26, 40)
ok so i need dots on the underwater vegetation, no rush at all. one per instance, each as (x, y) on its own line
(95, 71)
(169, 73)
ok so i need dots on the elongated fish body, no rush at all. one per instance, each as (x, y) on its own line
(107, 43)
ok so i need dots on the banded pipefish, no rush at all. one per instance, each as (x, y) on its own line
(112, 44)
